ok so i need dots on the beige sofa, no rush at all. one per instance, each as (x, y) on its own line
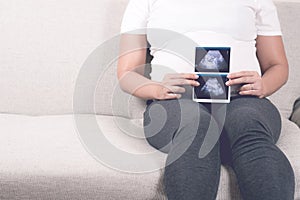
(49, 106)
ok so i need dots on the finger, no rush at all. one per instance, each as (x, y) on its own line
(250, 92)
(172, 89)
(182, 82)
(167, 93)
(241, 80)
(182, 76)
(247, 87)
(172, 96)
(176, 89)
(241, 74)
(189, 76)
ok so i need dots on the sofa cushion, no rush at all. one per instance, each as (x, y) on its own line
(45, 159)
(43, 53)
(290, 145)
(97, 89)
(43, 46)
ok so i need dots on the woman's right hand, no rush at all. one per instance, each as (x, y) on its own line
(170, 87)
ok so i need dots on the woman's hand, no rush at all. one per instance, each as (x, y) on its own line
(251, 81)
(170, 87)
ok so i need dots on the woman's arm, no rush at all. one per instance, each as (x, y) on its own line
(131, 63)
(274, 68)
(130, 72)
(273, 62)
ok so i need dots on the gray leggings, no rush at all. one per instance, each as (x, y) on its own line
(199, 137)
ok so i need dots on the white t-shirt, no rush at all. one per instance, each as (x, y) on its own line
(175, 27)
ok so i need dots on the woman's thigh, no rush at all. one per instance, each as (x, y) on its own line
(164, 119)
(253, 117)
(253, 127)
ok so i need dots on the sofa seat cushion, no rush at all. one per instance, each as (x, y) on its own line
(289, 143)
(43, 158)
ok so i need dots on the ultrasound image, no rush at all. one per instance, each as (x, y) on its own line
(213, 87)
(213, 60)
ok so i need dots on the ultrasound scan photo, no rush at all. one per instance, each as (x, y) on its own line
(212, 87)
(212, 59)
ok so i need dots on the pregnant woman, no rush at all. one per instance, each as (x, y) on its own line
(251, 125)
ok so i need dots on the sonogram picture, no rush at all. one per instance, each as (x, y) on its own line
(212, 65)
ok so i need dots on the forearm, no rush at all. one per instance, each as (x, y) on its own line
(274, 78)
(131, 66)
(273, 63)
(171, 86)
(138, 85)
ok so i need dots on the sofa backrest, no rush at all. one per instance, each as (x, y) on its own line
(45, 44)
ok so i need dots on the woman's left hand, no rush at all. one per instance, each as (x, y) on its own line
(251, 82)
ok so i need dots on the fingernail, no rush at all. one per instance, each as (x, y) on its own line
(227, 83)
(196, 76)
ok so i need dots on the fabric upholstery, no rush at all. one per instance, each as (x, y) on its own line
(44, 44)
(45, 159)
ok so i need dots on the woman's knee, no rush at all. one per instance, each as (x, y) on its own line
(272, 172)
(160, 123)
(175, 121)
(253, 122)
(283, 171)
